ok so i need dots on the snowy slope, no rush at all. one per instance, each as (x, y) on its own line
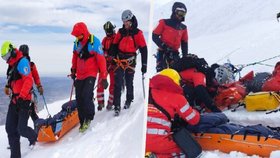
(108, 136)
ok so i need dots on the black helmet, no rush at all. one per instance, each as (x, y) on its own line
(180, 10)
(24, 49)
(109, 27)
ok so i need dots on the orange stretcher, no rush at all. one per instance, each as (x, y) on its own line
(251, 145)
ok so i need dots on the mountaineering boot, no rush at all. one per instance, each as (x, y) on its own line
(204, 96)
(109, 107)
(100, 107)
(117, 110)
(150, 155)
(127, 104)
(85, 126)
(32, 145)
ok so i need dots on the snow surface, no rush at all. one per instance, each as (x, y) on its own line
(241, 31)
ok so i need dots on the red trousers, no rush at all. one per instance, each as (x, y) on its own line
(100, 90)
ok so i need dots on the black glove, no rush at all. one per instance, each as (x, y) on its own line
(19, 104)
(73, 74)
(144, 68)
(166, 48)
(192, 56)
(104, 83)
(20, 101)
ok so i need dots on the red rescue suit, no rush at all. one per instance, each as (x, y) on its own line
(106, 44)
(169, 96)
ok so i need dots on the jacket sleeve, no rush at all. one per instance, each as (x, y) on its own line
(35, 74)
(114, 49)
(184, 43)
(186, 112)
(103, 43)
(25, 72)
(96, 49)
(74, 60)
(157, 33)
(142, 47)
(184, 47)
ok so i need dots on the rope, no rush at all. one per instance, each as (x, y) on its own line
(124, 63)
(240, 67)
(49, 115)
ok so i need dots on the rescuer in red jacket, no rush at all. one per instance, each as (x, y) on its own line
(107, 41)
(87, 61)
(127, 41)
(165, 90)
(169, 35)
(20, 82)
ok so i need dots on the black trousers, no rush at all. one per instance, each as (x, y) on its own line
(166, 59)
(84, 95)
(128, 75)
(33, 113)
(16, 126)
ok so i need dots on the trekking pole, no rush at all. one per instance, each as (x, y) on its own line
(72, 90)
(49, 115)
(143, 84)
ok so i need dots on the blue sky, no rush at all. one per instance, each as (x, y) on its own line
(45, 25)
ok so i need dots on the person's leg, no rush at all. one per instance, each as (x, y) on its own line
(111, 90)
(33, 113)
(119, 73)
(79, 99)
(161, 63)
(100, 95)
(129, 76)
(87, 92)
(12, 132)
(23, 128)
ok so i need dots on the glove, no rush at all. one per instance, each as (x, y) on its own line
(40, 89)
(144, 68)
(192, 56)
(166, 48)
(104, 83)
(7, 90)
(73, 74)
(19, 102)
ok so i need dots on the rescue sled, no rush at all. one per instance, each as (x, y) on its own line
(52, 129)
(214, 132)
(251, 145)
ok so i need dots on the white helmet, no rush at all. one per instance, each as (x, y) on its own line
(127, 15)
(224, 75)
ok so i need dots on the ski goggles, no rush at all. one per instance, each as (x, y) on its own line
(181, 13)
(7, 56)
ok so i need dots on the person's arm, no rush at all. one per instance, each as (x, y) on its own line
(184, 43)
(96, 49)
(187, 113)
(143, 50)
(114, 48)
(157, 32)
(35, 74)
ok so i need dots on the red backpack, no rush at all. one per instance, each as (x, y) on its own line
(273, 83)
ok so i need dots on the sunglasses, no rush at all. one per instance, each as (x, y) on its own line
(181, 13)
(7, 56)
